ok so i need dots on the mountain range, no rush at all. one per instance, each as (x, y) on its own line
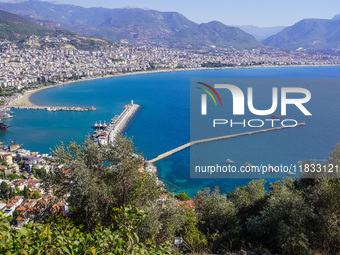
(308, 34)
(18, 29)
(133, 25)
(170, 29)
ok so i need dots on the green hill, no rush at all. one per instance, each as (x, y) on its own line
(310, 34)
(14, 27)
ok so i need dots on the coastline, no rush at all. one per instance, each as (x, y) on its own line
(24, 99)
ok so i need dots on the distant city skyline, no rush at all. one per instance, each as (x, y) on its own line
(263, 13)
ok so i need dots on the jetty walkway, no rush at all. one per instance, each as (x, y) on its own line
(167, 154)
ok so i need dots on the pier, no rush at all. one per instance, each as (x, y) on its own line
(107, 132)
(167, 154)
(55, 108)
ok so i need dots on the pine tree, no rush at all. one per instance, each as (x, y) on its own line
(26, 192)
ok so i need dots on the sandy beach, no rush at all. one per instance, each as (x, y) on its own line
(24, 100)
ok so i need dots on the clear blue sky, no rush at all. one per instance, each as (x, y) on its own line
(231, 12)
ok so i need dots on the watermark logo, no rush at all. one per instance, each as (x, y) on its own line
(239, 99)
(204, 97)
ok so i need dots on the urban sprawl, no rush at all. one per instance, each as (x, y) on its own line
(24, 67)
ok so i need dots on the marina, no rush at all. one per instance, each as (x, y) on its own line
(55, 108)
(106, 133)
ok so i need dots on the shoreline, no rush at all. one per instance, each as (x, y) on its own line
(24, 99)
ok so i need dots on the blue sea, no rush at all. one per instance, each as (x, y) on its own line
(162, 123)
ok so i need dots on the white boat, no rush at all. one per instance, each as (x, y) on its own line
(229, 161)
(290, 173)
(5, 115)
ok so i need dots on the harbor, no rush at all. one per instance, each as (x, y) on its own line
(54, 108)
(106, 133)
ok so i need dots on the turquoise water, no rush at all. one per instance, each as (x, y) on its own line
(162, 123)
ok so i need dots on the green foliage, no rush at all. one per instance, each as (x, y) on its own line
(162, 221)
(15, 28)
(4, 187)
(26, 192)
(100, 178)
(13, 176)
(218, 217)
(61, 236)
(182, 196)
(36, 195)
(40, 173)
(247, 196)
(194, 240)
(282, 223)
(121, 214)
(11, 193)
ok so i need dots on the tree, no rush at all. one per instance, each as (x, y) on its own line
(247, 196)
(40, 173)
(36, 195)
(282, 225)
(218, 217)
(26, 192)
(194, 240)
(99, 179)
(162, 221)
(11, 193)
(182, 196)
(4, 187)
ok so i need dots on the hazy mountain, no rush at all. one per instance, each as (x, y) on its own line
(14, 27)
(215, 33)
(134, 25)
(261, 33)
(336, 17)
(18, 29)
(310, 34)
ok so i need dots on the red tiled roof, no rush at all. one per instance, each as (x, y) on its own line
(188, 204)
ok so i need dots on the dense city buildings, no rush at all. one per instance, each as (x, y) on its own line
(26, 66)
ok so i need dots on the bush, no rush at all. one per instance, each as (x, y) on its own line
(182, 196)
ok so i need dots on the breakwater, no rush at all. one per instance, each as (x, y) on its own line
(55, 108)
(105, 133)
(184, 146)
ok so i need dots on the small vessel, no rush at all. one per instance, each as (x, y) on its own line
(275, 117)
(247, 165)
(290, 173)
(229, 161)
(15, 147)
(4, 114)
(3, 126)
